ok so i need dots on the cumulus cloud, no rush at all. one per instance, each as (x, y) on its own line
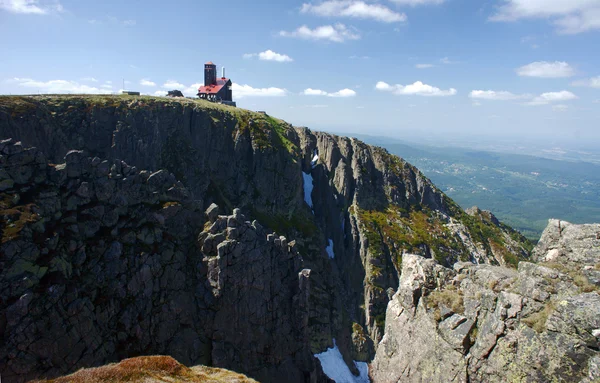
(551, 97)
(172, 84)
(35, 7)
(424, 66)
(58, 86)
(593, 82)
(417, 88)
(545, 69)
(337, 33)
(269, 55)
(160, 93)
(191, 90)
(340, 93)
(146, 82)
(354, 9)
(241, 91)
(89, 79)
(496, 95)
(569, 16)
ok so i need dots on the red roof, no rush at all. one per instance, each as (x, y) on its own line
(214, 89)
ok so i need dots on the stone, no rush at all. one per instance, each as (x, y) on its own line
(212, 212)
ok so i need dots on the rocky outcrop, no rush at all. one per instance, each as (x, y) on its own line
(100, 262)
(482, 323)
(261, 301)
(366, 209)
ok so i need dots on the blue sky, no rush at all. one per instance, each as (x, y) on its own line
(512, 69)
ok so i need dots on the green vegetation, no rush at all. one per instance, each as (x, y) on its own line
(537, 321)
(283, 224)
(13, 218)
(449, 298)
(576, 275)
(398, 230)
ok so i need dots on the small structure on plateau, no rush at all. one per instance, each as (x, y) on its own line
(215, 89)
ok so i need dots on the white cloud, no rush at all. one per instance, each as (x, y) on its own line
(146, 82)
(129, 23)
(417, 88)
(240, 91)
(355, 57)
(447, 61)
(340, 93)
(550, 97)
(269, 55)
(593, 82)
(545, 69)
(424, 66)
(57, 86)
(337, 33)
(496, 95)
(108, 82)
(570, 16)
(314, 92)
(414, 3)
(192, 90)
(89, 79)
(31, 6)
(354, 9)
(560, 107)
(172, 84)
(160, 93)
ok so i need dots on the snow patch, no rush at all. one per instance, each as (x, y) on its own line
(315, 159)
(308, 188)
(335, 368)
(330, 249)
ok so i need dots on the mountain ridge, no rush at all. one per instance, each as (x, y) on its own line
(367, 208)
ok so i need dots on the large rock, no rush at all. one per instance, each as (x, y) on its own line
(482, 323)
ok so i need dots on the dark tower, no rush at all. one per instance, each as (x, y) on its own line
(210, 74)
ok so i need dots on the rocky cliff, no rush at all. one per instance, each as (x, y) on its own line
(483, 323)
(103, 261)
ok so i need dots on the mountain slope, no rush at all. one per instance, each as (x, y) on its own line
(352, 210)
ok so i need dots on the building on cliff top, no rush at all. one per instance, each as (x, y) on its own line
(215, 89)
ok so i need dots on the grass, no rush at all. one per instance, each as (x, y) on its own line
(537, 321)
(448, 297)
(580, 280)
(399, 230)
(151, 369)
(14, 218)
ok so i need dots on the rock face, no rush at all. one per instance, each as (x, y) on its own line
(367, 208)
(100, 262)
(482, 323)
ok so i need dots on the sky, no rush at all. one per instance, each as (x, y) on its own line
(500, 69)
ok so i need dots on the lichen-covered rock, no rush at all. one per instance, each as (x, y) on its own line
(482, 323)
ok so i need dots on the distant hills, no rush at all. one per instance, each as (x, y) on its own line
(523, 191)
